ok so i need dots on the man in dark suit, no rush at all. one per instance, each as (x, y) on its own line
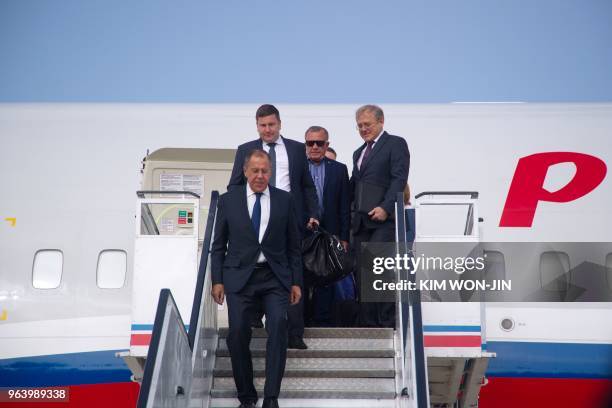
(256, 261)
(333, 196)
(289, 165)
(289, 173)
(380, 171)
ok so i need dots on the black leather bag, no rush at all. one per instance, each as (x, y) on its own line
(325, 260)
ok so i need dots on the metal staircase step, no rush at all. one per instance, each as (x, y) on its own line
(325, 348)
(299, 387)
(330, 332)
(340, 365)
(319, 367)
(312, 403)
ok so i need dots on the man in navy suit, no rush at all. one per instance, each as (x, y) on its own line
(380, 171)
(289, 165)
(289, 173)
(333, 197)
(256, 261)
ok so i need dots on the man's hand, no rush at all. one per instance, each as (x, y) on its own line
(218, 293)
(378, 214)
(312, 222)
(345, 244)
(296, 294)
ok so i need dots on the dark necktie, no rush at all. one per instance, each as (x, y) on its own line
(272, 154)
(367, 152)
(256, 216)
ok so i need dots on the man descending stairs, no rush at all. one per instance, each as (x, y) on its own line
(414, 366)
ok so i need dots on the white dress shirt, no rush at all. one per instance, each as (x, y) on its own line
(282, 164)
(364, 149)
(265, 213)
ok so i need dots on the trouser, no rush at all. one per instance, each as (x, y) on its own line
(373, 314)
(295, 316)
(319, 309)
(262, 291)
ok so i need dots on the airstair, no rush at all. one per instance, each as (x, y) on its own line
(354, 367)
(186, 364)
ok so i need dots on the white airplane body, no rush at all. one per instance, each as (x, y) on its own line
(71, 172)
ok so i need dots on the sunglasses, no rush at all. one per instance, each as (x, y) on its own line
(319, 143)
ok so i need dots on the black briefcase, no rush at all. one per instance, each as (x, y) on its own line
(324, 258)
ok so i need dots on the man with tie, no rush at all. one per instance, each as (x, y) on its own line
(333, 197)
(289, 173)
(380, 171)
(256, 261)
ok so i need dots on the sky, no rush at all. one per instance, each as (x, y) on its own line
(314, 51)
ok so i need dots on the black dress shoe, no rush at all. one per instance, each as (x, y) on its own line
(296, 342)
(247, 405)
(270, 403)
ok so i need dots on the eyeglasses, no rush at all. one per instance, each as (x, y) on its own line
(319, 143)
(365, 126)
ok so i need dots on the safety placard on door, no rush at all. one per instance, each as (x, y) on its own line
(182, 182)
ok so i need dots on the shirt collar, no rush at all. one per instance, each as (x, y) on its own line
(250, 192)
(279, 141)
(315, 163)
(378, 137)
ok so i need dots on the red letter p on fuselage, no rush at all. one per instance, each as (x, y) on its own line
(527, 187)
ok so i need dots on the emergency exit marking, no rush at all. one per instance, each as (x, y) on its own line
(182, 213)
(12, 221)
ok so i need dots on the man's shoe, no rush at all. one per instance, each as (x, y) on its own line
(270, 403)
(257, 324)
(247, 405)
(296, 342)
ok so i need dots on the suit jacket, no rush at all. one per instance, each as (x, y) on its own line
(235, 249)
(387, 166)
(302, 187)
(336, 215)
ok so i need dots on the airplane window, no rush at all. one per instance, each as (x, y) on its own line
(554, 268)
(609, 270)
(47, 269)
(496, 265)
(112, 267)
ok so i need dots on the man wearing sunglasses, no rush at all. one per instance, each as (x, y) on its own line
(331, 182)
(333, 197)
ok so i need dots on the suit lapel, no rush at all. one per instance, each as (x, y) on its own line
(270, 219)
(377, 146)
(356, 156)
(290, 158)
(244, 210)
